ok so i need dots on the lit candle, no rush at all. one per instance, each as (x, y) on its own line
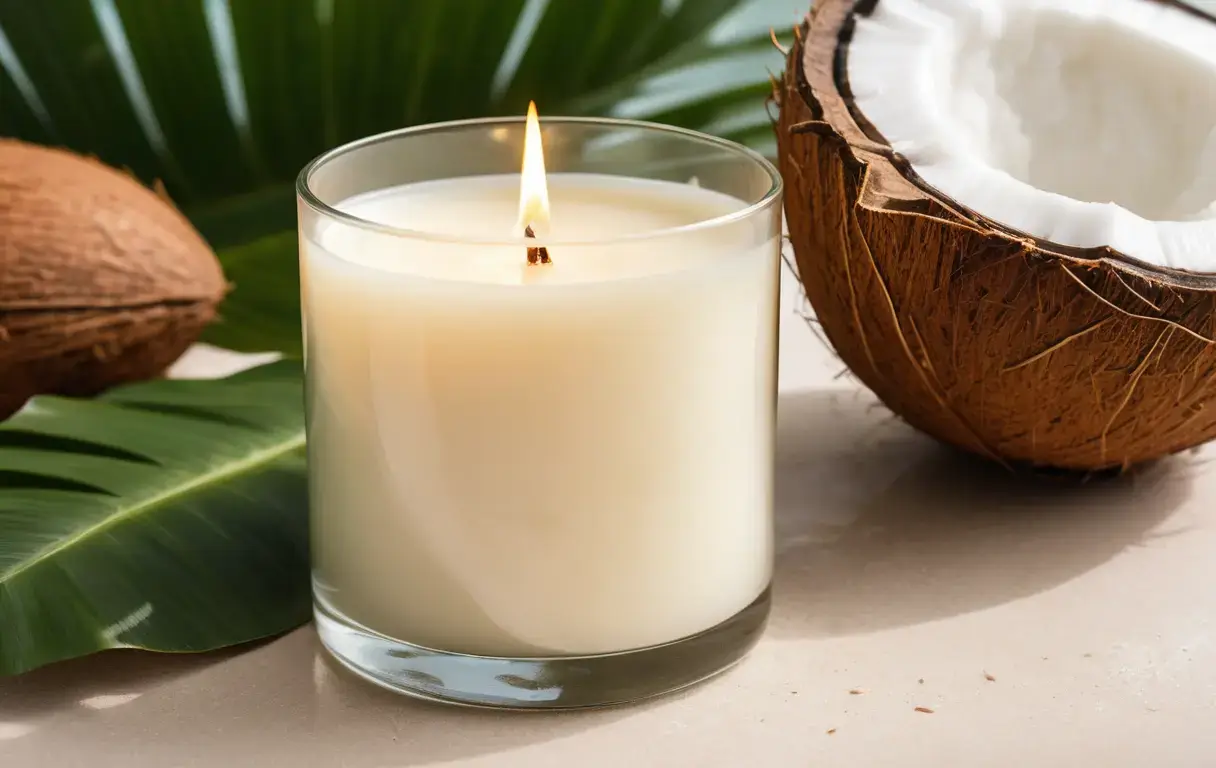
(545, 445)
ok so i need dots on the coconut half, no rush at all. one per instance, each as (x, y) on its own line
(1004, 215)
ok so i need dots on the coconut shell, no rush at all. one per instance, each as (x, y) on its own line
(1017, 349)
(102, 280)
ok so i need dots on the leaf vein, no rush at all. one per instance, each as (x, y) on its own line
(216, 476)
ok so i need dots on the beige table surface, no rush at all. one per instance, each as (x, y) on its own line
(904, 571)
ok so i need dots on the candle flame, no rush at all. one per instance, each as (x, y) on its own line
(533, 191)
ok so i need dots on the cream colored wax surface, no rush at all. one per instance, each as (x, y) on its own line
(572, 458)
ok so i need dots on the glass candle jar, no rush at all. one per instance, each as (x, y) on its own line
(540, 482)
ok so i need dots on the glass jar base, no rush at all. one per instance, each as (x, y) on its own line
(551, 683)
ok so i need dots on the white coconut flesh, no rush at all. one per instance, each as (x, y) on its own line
(1085, 123)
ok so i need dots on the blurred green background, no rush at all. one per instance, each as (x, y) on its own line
(223, 101)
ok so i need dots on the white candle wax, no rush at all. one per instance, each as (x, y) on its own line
(572, 458)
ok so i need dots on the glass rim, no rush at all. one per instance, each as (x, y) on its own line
(305, 193)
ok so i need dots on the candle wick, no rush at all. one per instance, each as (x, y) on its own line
(536, 255)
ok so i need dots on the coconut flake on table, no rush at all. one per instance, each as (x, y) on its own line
(1088, 124)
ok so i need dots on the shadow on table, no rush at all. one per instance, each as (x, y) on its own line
(879, 526)
(284, 702)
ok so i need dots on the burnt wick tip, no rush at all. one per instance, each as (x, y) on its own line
(536, 255)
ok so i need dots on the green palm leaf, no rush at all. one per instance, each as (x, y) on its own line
(169, 515)
(225, 100)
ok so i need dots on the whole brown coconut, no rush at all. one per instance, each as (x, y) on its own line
(984, 337)
(101, 280)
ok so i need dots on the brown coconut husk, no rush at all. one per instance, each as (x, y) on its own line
(1014, 348)
(102, 281)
